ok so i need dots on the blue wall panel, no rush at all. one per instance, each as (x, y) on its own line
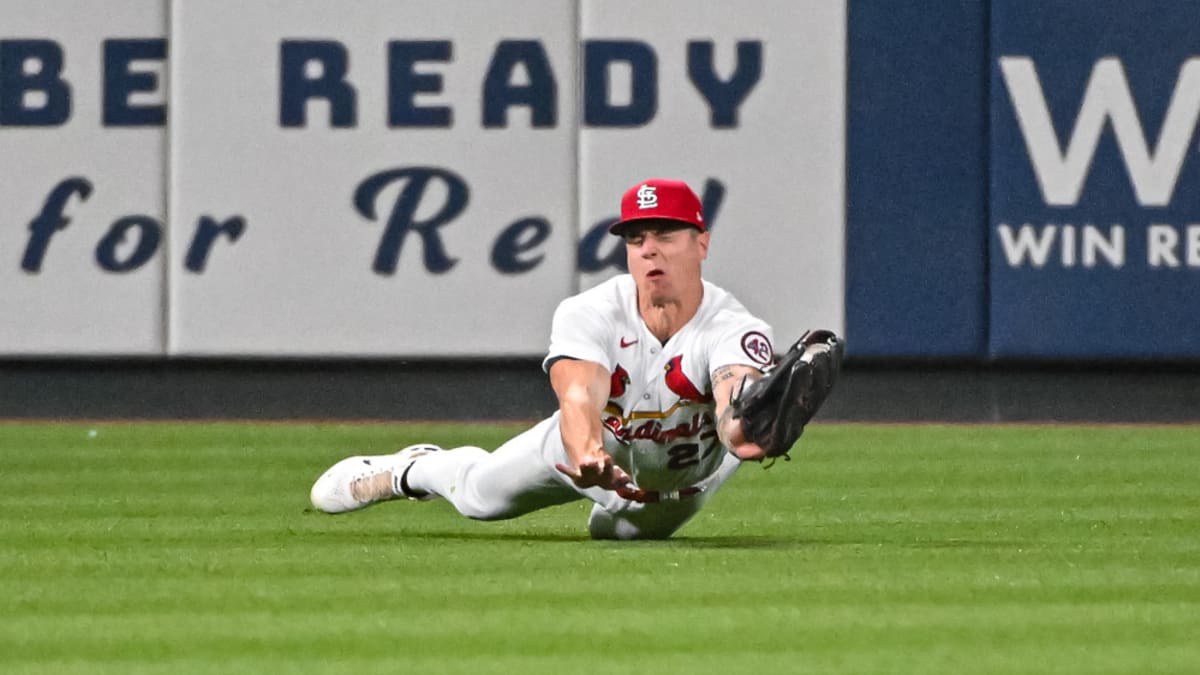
(916, 217)
(1086, 282)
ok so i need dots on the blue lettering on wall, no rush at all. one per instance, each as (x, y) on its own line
(120, 82)
(515, 248)
(402, 218)
(598, 57)
(588, 257)
(34, 93)
(710, 201)
(207, 232)
(724, 98)
(149, 234)
(52, 219)
(145, 232)
(499, 93)
(319, 69)
(296, 86)
(43, 77)
(520, 237)
(404, 83)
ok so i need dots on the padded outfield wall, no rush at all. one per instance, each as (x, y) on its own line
(398, 178)
(403, 179)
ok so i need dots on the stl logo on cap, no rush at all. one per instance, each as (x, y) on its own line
(647, 197)
(659, 199)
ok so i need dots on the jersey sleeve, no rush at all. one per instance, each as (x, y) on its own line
(741, 339)
(579, 331)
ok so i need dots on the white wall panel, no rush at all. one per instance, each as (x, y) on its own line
(779, 230)
(294, 268)
(300, 279)
(53, 132)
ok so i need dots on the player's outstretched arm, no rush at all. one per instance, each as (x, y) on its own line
(582, 389)
(727, 380)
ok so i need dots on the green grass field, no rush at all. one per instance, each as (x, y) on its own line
(879, 549)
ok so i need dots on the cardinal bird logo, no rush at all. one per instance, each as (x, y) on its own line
(620, 380)
(680, 384)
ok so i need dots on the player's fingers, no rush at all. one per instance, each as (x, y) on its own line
(626, 491)
(596, 467)
(606, 471)
(623, 485)
(568, 470)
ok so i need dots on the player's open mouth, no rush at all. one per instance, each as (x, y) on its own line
(655, 273)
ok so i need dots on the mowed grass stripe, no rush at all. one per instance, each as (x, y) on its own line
(932, 549)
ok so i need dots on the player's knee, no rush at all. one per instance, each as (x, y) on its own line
(630, 534)
(475, 498)
(605, 526)
(482, 513)
(475, 506)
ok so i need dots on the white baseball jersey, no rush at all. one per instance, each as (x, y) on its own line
(659, 423)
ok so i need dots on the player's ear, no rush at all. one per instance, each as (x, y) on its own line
(702, 239)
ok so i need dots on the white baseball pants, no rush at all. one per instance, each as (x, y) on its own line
(520, 477)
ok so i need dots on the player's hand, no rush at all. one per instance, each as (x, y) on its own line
(596, 469)
(748, 452)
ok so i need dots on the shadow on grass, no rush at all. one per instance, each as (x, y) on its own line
(776, 542)
(738, 542)
(373, 535)
(498, 533)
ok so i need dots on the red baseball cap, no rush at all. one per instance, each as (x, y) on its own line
(660, 199)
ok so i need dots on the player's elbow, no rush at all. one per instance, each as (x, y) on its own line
(580, 399)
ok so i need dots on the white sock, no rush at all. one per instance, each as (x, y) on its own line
(439, 472)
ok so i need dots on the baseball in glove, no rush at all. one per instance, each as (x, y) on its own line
(775, 408)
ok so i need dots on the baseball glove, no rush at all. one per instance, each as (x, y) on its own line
(775, 408)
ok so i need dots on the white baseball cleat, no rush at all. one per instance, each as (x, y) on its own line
(357, 482)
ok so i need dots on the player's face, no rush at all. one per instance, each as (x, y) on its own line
(665, 261)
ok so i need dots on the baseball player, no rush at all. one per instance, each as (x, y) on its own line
(660, 382)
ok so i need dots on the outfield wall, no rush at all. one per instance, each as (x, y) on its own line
(399, 178)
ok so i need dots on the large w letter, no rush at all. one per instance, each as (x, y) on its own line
(1061, 175)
